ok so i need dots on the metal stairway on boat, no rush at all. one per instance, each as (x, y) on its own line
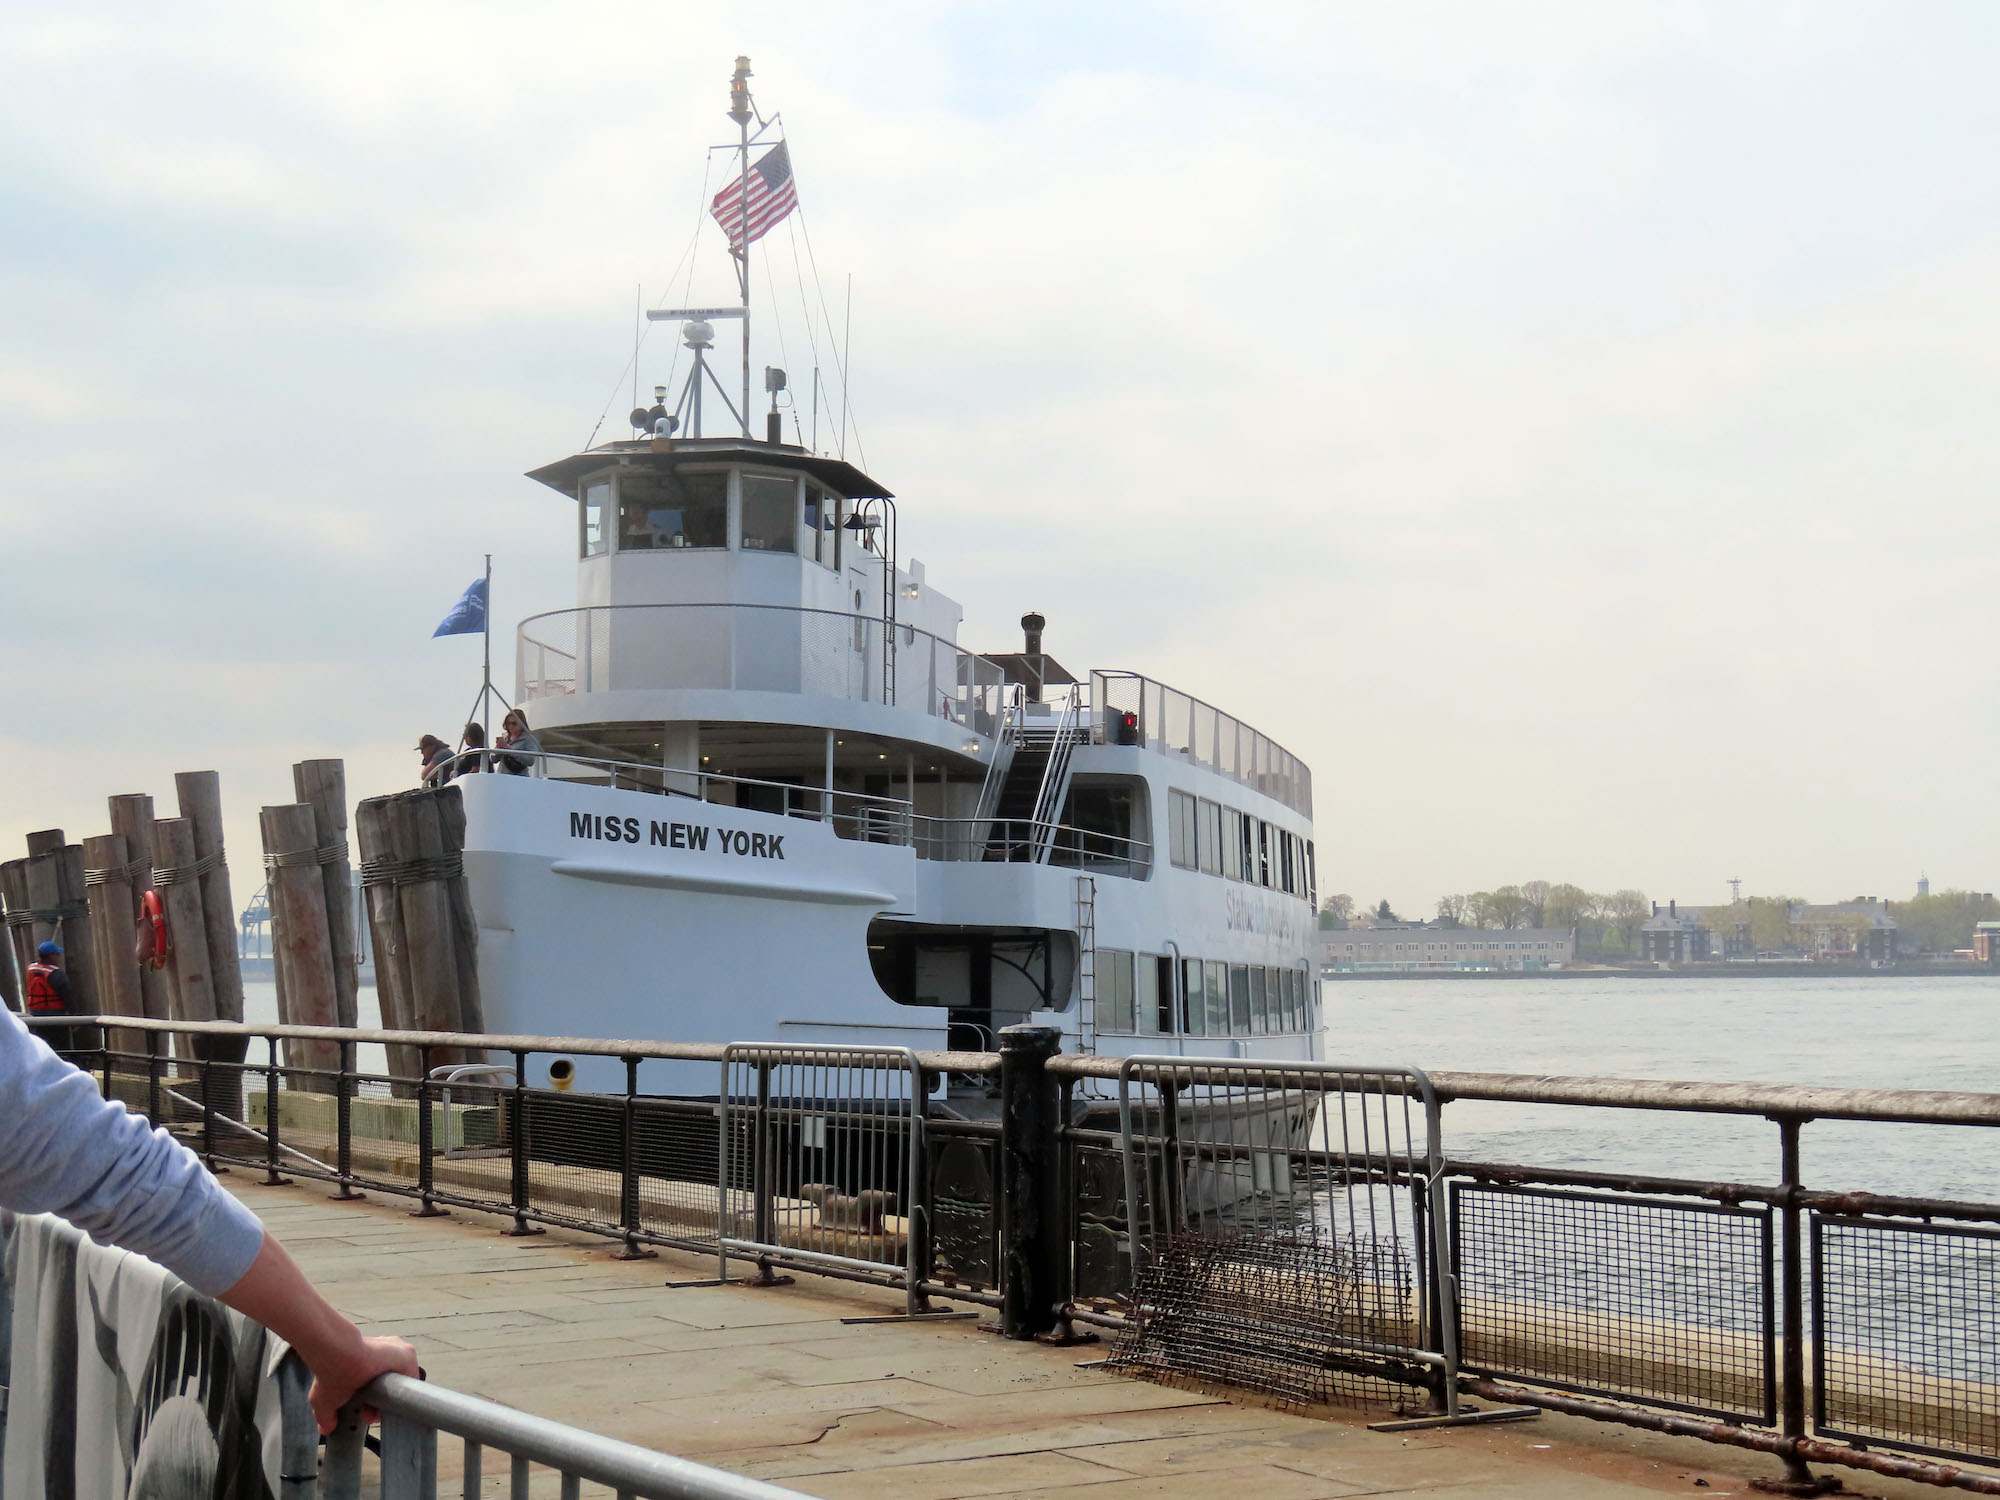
(1031, 794)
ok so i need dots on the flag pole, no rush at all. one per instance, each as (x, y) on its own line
(739, 111)
(486, 650)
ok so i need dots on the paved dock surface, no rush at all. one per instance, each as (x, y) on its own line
(772, 1383)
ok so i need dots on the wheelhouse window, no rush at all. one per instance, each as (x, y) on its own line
(596, 501)
(659, 509)
(819, 538)
(1232, 843)
(770, 513)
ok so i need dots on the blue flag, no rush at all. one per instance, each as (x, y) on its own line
(468, 616)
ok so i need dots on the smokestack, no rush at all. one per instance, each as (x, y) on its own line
(774, 427)
(1673, 908)
(1031, 656)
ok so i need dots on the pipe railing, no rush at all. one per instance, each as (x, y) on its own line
(1859, 1302)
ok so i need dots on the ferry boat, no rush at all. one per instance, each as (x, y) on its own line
(780, 800)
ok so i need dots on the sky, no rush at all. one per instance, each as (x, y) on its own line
(1564, 426)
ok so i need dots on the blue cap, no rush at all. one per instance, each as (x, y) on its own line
(48, 950)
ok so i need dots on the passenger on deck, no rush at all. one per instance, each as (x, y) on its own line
(474, 757)
(515, 735)
(437, 759)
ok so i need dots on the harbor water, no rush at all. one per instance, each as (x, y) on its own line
(1859, 1031)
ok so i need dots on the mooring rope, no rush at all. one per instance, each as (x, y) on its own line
(127, 874)
(48, 916)
(176, 874)
(412, 871)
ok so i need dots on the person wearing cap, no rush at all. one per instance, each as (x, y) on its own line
(49, 995)
(437, 756)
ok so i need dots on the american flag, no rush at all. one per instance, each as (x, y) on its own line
(773, 194)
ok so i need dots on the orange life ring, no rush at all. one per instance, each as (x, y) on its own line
(153, 910)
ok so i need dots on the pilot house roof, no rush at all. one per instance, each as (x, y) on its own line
(835, 473)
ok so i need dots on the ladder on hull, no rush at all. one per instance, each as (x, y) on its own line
(1086, 963)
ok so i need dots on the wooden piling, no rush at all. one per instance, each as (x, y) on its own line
(464, 923)
(200, 795)
(426, 970)
(322, 784)
(132, 819)
(385, 930)
(301, 946)
(427, 917)
(108, 890)
(173, 862)
(55, 885)
(20, 927)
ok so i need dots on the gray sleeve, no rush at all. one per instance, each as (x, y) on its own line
(67, 1150)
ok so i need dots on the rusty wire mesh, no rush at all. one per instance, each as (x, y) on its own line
(1663, 1302)
(1292, 1314)
(1906, 1321)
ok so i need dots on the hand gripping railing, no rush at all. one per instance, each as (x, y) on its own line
(414, 1413)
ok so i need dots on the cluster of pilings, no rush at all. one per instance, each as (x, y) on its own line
(90, 899)
(87, 898)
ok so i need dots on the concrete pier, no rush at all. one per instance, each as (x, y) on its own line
(774, 1384)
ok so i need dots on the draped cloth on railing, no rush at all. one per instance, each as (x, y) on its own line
(124, 1382)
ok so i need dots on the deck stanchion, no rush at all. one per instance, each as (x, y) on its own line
(517, 1150)
(343, 1118)
(1032, 1216)
(762, 1219)
(272, 1176)
(628, 1169)
(426, 1143)
(1799, 1479)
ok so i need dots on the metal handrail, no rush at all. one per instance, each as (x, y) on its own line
(414, 1412)
(901, 805)
(579, 1046)
(1154, 736)
(1055, 774)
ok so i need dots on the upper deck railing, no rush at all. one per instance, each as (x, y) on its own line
(1174, 723)
(770, 648)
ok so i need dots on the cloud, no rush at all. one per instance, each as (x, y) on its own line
(1564, 429)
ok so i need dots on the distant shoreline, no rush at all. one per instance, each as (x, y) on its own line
(1705, 971)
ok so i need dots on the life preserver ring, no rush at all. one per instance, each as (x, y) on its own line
(153, 910)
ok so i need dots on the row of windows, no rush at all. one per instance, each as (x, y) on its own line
(1136, 993)
(658, 509)
(1485, 947)
(1217, 840)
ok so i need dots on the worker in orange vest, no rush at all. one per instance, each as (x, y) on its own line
(49, 995)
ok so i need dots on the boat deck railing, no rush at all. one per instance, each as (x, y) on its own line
(861, 816)
(772, 648)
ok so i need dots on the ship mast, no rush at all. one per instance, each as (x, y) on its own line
(740, 111)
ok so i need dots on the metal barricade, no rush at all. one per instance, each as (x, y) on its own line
(820, 1161)
(1285, 1221)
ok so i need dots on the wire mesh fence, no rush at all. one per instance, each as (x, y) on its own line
(1664, 1302)
(1906, 1322)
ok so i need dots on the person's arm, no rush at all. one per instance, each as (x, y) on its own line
(275, 1292)
(67, 1150)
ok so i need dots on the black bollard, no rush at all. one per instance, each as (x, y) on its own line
(1034, 1255)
